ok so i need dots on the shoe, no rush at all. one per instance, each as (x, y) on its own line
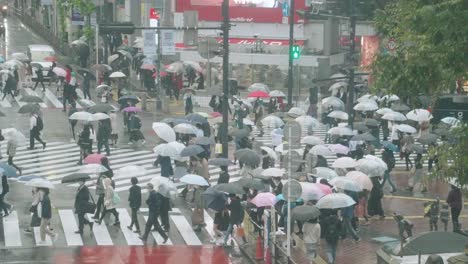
(98, 222)
(142, 238)
(382, 217)
(91, 224)
(117, 223)
(79, 232)
(27, 230)
(130, 228)
(55, 237)
(357, 240)
(137, 231)
(165, 240)
(44, 145)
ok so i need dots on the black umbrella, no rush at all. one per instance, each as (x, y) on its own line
(399, 107)
(196, 118)
(36, 65)
(240, 133)
(360, 127)
(428, 138)
(76, 177)
(86, 72)
(231, 187)
(31, 99)
(248, 157)
(251, 184)
(364, 137)
(191, 150)
(175, 121)
(305, 213)
(126, 98)
(100, 108)
(214, 199)
(29, 108)
(372, 122)
(220, 162)
(204, 141)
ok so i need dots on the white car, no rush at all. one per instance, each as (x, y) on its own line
(43, 55)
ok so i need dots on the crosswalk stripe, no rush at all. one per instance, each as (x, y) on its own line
(18, 99)
(5, 103)
(69, 227)
(37, 237)
(101, 234)
(11, 230)
(125, 220)
(185, 229)
(158, 237)
(29, 91)
(53, 99)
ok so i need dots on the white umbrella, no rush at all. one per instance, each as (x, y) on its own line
(185, 129)
(338, 77)
(247, 122)
(164, 131)
(366, 106)
(406, 128)
(322, 150)
(390, 98)
(117, 74)
(370, 167)
(258, 87)
(394, 116)
(344, 163)
(100, 116)
(82, 116)
(419, 115)
(13, 64)
(112, 58)
(92, 168)
(273, 172)
(324, 172)
(86, 103)
(307, 121)
(277, 93)
(296, 112)
(272, 121)
(345, 184)
(312, 140)
(101, 87)
(333, 101)
(165, 186)
(450, 120)
(131, 170)
(40, 183)
(382, 163)
(338, 115)
(194, 180)
(334, 88)
(367, 97)
(383, 111)
(178, 147)
(361, 179)
(341, 131)
(15, 135)
(195, 65)
(335, 201)
(59, 71)
(270, 152)
(166, 150)
(176, 67)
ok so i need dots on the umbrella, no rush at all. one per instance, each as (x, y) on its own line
(264, 199)
(100, 116)
(272, 121)
(196, 118)
(101, 67)
(273, 172)
(111, 59)
(314, 191)
(335, 201)
(324, 172)
(231, 187)
(215, 114)
(390, 98)
(117, 75)
(334, 102)
(86, 72)
(79, 42)
(339, 149)
(366, 106)
(13, 64)
(341, 131)
(132, 98)
(59, 71)
(29, 108)
(101, 108)
(360, 179)
(305, 213)
(399, 107)
(124, 52)
(76, 177)
(185, 129)
(419, 115)
(418, 149)
(248, 157)
(178, 147)
(258, 94)
(389, 145)
(102, 87)
(6, 72)
(240, 133)
(251, 184)
(307, 121)
(92, 169)
(195, 65)
(360, 127)
(8, 170)
(132, 109)
(334, 88)
(450, 120)
(338, 77)
(296, 189)
(220, 162)
(338, 115)
(296, 112)
(204, 141)
(131, 170)
(29, 177)
(372, 122)
(164, 131)
(322, 150)
(205, 115)
(428, 138)
(312, 140)
(270, 152)
(166, 150)
(383, 111)
(93, 158)
(344, 163)
(248, 122)
(276, 93)
(82, 116)
(214, 199)
(194, 180)
(367, 98)
(394, 116)
(258, 87)
(406, 129)
(176, 67)
(191, 150)
(370, 167)
(346, 184)
(40, 183)
(14, 134)
(175, 121)
(19, 56)
(165, 187)
(364, 137)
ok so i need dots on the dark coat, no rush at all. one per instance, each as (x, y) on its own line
(134, 198)
(454, 198)
(223, 177)
(237, 213)
(104, 130)
(5, 186)
(166, 166)
(165, 203)
(153, 202)
(81, 199)
(46, 207)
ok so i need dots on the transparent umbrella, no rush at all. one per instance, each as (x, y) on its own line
(335, 201)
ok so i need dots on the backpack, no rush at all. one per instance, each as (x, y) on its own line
(137, 122)
(333, 230)
(39, 123)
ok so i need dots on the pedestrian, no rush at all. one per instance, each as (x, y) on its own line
(454, 200)
(258, 111)
(236, 216)
(66, 87)
(224, 175)
(374, 206)
(389, 159)
(166, 166)
(164, 214)
(134, 125)
(109, 173)
(100, 194)
(417, 174)
(111, 199)
(277, 137)
(39, 79)
(86, 85)
(6, 207)
(50, 72)
(201, 81)
(83, 54)
(198, 219)
(10, 87)
(125, 40)
(45, 212)
(154, 207)
(311, 230)
(84, 142)
(35, 219)
(347, 215)
(2, 138)
(36, 125)
(407, 143)
(188, 103)
(432, 210)
(134, 201)
(12, 144)
(103, 135)
(81, 201)
(276, 185)
(220, 225)
(444, 215)
(114, 130)
(332, 232)
(70, 121)
(360, 210)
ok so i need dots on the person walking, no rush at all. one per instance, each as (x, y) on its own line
(110, 202)
(45, 212)
(188, 103)
(374, 206)
(311, 230)
(84, 142)
(454, 200)
(40, 79)
(36, 125)
(103, 135)
(66, 87)
(134, 201)
(12, 144)
(100, 194)
(332, 232)
(236, 216)
(166, 166)
(72, 122)
(10, 87)
(86, 85)
(35, 219)
(198, 219)
(7, 208)
(114, 130)
(347, 215)
(407, 145)
(389, 159)
(81, 200)
(164, 214)
(154, 207)
(224, 175)
(417, 175)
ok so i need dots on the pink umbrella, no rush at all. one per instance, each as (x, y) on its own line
(264, 199)
(215, 114)
(132, 109)
(314, 191)
(339, 149)
(149, 67)
(93, 159)
(259, 94)
(59, 71)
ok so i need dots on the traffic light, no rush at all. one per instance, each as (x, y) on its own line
(127, 28)
(296, 52)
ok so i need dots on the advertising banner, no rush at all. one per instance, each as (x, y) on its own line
(76, 18)
(149, 43)
(167, 42)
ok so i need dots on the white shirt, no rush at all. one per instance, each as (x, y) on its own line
(311, 233)
(32, 121)
(394, 132)
(73, 81)
(199, 133)
(276, 136)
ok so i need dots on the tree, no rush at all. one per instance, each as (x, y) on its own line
(86, 8)
(431, 52)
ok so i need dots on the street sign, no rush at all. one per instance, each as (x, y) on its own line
(207, 47)
(149, 43)
(296, 190)
(167, 42)
(296, 161)
(76, 18)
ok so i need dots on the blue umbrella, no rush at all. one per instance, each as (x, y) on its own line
(389, 145)
(29, 177)
(280, 197)
(8, 170)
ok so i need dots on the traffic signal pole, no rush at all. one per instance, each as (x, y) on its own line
(224, 127)
(291, 44)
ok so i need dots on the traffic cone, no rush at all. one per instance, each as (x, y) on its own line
(259, 251)
(268, 256)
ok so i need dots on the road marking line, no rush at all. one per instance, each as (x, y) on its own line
(53, 99)
(125, 220)
(11, 230)
(101, 234)
(69, 227)
(157, 236)
(411, 198)
(185, 229)
(5, 103)
(29, 91)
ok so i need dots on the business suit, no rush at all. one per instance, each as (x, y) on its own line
(46, 214)
(134, 200)
(154, 205)
(81, 200)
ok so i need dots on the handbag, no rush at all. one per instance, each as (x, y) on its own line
(197, 216)
(90, 207)
(115, 198)
(240, 232)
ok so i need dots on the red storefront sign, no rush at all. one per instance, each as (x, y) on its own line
(154, 13)
(248, 41)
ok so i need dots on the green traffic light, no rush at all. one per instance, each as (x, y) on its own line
(296, 53)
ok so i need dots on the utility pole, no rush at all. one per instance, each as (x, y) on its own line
(291, 44)
(352, 51)
(224, 127)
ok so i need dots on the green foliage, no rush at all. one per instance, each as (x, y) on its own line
(86, 8)
(431, 37)
(453, 156)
